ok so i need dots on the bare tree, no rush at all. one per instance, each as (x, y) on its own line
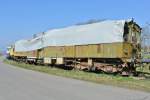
(146, 37)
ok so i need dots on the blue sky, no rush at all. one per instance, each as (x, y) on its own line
(23, 18)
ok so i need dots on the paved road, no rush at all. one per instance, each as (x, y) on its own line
(21, 84)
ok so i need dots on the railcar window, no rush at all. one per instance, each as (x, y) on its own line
(125, 37)
(126, 32)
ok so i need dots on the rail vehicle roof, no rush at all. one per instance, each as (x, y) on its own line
(108, 31)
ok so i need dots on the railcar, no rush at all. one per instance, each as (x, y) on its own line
(110, 46)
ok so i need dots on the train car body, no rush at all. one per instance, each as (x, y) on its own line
(97, 46)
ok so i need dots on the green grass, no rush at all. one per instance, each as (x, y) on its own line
(145, 69)
(119, 81)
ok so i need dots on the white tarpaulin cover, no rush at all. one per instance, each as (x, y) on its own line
(108, 31)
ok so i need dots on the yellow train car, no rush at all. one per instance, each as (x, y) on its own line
(110, 46)
(99, 52)
(98, 55)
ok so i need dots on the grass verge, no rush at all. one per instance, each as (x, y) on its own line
(119, 81)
